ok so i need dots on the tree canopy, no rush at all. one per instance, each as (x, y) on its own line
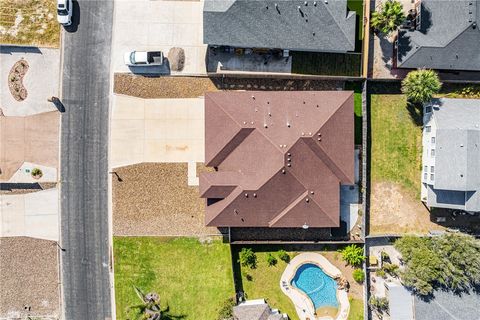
(450, 261)
(421, 85)
(389, 17)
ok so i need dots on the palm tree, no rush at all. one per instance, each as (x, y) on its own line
(149, 309)
(421, 85)
(389, 17)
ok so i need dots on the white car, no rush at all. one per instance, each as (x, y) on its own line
(143, 58)
(64, 12)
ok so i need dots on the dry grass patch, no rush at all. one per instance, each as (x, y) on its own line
(28, 277)
(192, 87)
(155, 199)
(29, 22)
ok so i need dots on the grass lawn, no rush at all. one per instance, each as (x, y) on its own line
(357, 6)
(29, 22)
(193, 279)
(323, 63)
(265, 280)
(396, 135)
(357, 100)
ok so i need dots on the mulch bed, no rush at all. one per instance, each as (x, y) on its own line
(193, 87)
(15, 80)
(28, 277)
(154, 199)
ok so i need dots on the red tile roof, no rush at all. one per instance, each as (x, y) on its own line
(280, 157)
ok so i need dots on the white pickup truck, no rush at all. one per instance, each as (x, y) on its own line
(143, 58)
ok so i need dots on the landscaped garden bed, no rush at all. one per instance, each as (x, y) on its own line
(15, 80)
(263, 281)
(193, 279)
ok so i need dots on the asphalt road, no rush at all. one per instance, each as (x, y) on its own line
(84, 167)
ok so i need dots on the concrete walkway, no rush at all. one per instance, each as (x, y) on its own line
(41, 79)
(32, 215)
(156, 130)
(303, 304)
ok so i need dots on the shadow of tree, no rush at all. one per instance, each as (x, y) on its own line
(415, 111)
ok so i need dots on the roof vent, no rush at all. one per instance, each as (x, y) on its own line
(289, 154)
(235, 211)
(314, 3)
(283, 171)
(288, 124)
(305, 226)
(326, 1)
(246, 195)
(289, 164)
(253, 97)
(311, 192)
(305, 3)
(254, 195)
(307, 200)
(461, 145)
(265, 126)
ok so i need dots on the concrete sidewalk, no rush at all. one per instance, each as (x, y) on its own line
(32, 215)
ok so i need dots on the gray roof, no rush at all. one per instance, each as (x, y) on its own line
(317, 26)
(462, 200)
(254, 312)
(457, 144)
(400, 302)
(457, 154)
(448, 39)
(448, 306)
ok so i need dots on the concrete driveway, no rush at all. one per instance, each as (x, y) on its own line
(159, 25)
(32, 215)
(156, 130)
(41, 79)
(27, 143)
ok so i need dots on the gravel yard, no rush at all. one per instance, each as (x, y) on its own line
(28, 278)
(153, 199)
(192, 87)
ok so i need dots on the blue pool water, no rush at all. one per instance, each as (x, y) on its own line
(320, 287)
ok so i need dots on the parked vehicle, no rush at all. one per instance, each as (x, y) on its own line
(143, 58)
(64, 12)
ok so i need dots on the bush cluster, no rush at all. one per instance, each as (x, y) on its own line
(449, 261)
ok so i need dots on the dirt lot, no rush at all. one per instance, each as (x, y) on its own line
(394, 211)
(154, 199)
(28, 277)
(192, 87)
(29, 22)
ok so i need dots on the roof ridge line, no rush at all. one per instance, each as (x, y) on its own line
(338, 25)
(287, 209)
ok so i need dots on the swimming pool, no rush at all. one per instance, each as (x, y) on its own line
(317, 285)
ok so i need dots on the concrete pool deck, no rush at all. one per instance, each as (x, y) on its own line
(303, 304)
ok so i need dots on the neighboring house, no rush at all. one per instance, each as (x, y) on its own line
(280, 158)
(444, 35)
(26, 143)
(325, 26)
(256, 310)
(451, 153)
(400, 302)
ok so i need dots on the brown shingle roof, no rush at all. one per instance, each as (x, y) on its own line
(281, 157)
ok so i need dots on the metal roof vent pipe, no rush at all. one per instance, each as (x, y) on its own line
(315, 3)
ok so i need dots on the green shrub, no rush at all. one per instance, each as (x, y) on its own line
(358, 275)
(353, 255)
(283, 255)
(380, 273)
(248, 258)
(226, 311)
(421, 85)
(36, 172)
(271, 260)
(391, 269)
(380, 304)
